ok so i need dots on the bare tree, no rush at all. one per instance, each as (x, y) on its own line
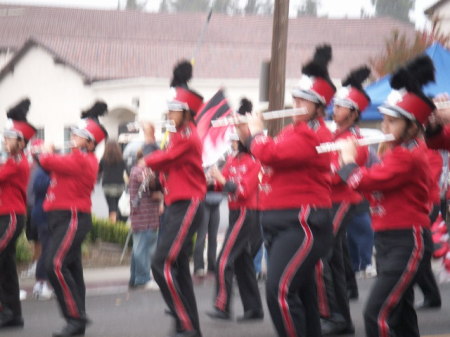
(136, 5)
(308, 8)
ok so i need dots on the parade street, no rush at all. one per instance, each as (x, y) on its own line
(140, 313)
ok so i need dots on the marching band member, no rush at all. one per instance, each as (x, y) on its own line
(184, 189)
(349, 103)
(400, 194)
(68, 205)
(295, 201)
(239, 178)
(14, 174)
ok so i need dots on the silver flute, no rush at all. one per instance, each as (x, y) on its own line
(241, 119)
(442, 105)
(336, 146)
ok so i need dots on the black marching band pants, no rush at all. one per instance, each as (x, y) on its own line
(390, 309)
(170, 264)
(11, 225)
(296, 239)
(236, 258)
(425, 279)
(330, 271)
(68, 229)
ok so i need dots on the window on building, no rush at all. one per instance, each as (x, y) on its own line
(67, 133)
(40, 133)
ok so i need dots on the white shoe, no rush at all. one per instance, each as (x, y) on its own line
(152, 285)
(370, 271)
(37, 289)
(23, 295)
(46, 292)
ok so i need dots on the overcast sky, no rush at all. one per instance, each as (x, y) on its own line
(332, 8)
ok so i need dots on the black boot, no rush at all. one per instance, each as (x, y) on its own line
(8, 320)
(219, 314)
(74, 327)
(251, 315)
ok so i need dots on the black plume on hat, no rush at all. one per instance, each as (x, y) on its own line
(245, 107)
(357, 77)
(182, 73)
(98, 109)
(19, 112)
(414, 75)
(318, 66)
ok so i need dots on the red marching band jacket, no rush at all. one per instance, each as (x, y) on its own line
(294, 173)
(435, 162)
(340, 191)
(398, 187)
(73, 178)
(440, 141)
(180, 165)
(14, 175)
(242, 171)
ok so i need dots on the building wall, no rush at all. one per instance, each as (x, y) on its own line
(57, 93)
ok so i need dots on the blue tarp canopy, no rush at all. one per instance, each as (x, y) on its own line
(379, 90)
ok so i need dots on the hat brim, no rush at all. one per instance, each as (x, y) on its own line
(308, 95)
(177, 106)
(82, 133)
(12, 134)
(395, 111)
(346, 103)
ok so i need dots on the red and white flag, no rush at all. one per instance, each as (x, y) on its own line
(215, 140)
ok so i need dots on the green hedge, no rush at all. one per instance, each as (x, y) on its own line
(107, 231)
(101, 230)
(24, 250)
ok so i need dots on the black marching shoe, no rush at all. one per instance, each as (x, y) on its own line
(8, 320)
(336, 328)
(429, 305)
(218, 314)
(74, 327)
(251, 315)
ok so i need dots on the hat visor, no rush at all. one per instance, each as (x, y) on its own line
(177, 106)
(395, 111)
(345, 103)
(12, 134)
(308, 95)
(81, 133)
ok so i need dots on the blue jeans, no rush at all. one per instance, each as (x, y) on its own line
(360, 240)
(144, 244)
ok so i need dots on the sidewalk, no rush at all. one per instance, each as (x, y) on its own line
(104, 280)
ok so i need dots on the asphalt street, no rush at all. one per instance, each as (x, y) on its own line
(139, 313)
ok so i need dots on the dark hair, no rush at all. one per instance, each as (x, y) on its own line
(139, 154)
(242, 148)
(112, 154)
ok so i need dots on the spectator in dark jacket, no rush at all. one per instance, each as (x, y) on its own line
(112, 171)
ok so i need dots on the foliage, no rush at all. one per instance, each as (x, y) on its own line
(308, 8)
(399, 49)
(107, 231)
(398, 9)
(136, 5)
(24, 251)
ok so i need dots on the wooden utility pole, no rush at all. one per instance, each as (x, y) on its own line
(277, 77)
